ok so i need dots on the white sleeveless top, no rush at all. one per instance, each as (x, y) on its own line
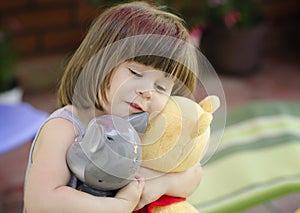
(59, 113)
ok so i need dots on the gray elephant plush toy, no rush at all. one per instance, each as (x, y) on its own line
(109, 154)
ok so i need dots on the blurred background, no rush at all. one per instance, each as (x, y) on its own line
(253, 45)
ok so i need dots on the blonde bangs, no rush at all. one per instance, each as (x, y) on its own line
(185, 78)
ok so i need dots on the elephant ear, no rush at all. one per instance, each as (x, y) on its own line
(93, 138)
(139, 121)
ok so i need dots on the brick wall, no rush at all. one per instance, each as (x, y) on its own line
(47, 27)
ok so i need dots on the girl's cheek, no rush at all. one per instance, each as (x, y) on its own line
(161, 103)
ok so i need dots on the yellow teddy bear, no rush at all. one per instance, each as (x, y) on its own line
(175, 140)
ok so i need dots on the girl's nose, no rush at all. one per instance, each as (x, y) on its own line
(145, 93)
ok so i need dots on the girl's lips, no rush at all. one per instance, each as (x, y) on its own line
(135, 106)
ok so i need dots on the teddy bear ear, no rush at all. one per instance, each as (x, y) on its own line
(210, 103)
(204, 122)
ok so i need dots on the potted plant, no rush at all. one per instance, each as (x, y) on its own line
(233, 34)
(9, 90)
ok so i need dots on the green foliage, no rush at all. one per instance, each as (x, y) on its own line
(232, 13)
(7, 60)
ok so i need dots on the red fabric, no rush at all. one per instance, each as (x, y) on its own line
(162, 201)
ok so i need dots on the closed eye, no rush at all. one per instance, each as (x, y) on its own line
(139, 75)
(161, 88)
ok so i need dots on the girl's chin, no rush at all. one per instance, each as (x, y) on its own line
(120, 113)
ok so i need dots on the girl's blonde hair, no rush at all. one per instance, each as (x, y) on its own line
(135, 31)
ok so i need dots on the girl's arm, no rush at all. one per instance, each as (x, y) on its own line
(46, 189)
(181, 184)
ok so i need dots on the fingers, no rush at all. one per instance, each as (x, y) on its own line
(133, 190)
(140, 183)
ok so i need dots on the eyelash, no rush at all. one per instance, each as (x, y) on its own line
(161, 88)
(135, 73)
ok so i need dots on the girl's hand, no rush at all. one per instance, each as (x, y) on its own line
(131, 193)
(155, 186)
(181, 184)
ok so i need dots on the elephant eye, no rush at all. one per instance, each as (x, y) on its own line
(99, 181)
(109, 138)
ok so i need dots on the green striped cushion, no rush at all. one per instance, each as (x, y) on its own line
(258, 159)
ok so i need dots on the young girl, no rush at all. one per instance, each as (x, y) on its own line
(132, 59)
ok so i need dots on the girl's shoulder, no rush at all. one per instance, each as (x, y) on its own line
(67, 114)
(64, 112)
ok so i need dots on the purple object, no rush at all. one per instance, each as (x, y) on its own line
(18, 124)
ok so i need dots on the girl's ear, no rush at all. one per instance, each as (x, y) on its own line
(139, 121)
